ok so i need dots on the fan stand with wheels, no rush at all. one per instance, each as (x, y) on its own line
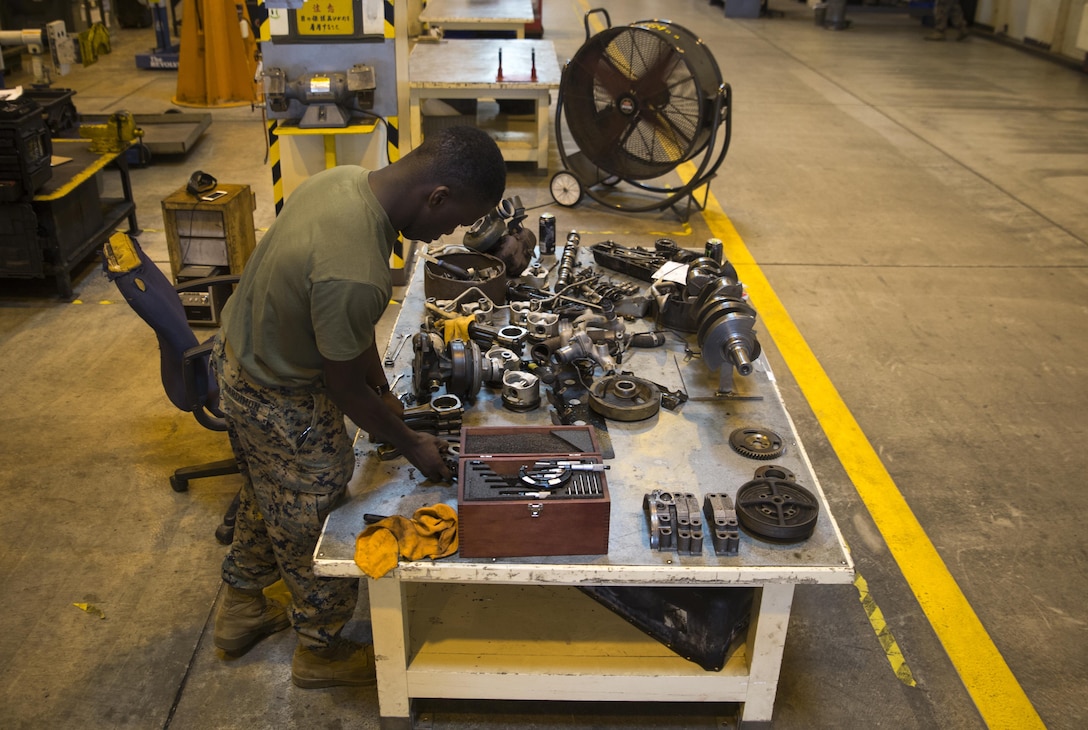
(638, 101)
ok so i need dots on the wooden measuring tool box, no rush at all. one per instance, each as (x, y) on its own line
(531, 491)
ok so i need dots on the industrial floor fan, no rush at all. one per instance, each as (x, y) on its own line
(639, 100)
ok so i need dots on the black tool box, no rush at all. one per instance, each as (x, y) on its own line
(531, 491)
(26, 149)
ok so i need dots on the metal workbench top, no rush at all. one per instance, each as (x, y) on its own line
(685, 450)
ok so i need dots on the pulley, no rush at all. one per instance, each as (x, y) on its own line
(625, 398)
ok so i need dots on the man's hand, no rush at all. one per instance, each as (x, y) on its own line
(426, 453)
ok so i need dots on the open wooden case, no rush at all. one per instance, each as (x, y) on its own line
(531, 491)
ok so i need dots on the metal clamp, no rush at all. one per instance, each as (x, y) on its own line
(674, 521)
(720, 513)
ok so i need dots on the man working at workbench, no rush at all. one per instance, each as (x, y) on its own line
(296, 353)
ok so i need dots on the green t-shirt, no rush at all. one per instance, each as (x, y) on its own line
(317, 283)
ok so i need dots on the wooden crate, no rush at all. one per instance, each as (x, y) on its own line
(210, 233)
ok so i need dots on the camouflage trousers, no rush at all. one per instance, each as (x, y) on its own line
(296, 459)
(948, 10)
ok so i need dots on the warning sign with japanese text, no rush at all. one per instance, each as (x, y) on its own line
(326, 17)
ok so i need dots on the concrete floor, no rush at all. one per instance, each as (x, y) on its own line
(920, 209)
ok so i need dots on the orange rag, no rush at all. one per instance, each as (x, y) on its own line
(457, 328)
(431, 533)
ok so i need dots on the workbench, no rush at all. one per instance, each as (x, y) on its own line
(484, 15)
(468, 69)
(503, 628)
(72, 219)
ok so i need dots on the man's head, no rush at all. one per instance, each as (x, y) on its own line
(453, 178)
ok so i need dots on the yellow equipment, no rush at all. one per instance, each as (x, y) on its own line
(217, 65)
(113, 136)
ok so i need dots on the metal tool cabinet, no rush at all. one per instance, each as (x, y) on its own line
(502, 628)
(68, 219)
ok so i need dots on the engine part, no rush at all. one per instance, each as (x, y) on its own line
(510, 336)
(675, 521)
(757, 443)
(581, 347)
(456, 365)
(497, 363)
(647, 339)
(489, 278)
(625, 398)
(542, 325)
(721, 515)
(779, 510)
(726, 338)
(441, 417)
(567, 262)
(520, 391)
(504, 219)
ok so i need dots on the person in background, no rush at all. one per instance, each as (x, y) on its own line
(296, 353)
(943, 12)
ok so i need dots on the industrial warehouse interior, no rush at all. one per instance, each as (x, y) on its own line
(910, 222)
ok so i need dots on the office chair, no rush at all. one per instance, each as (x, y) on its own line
(186, 375)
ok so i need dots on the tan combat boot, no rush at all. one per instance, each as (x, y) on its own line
(244, 619)
(345, 665)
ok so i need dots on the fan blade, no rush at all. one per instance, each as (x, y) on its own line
(614, 127)
(596, 64)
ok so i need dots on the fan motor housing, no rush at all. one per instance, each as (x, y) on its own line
(640, 99)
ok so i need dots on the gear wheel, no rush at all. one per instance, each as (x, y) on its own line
(757, 443)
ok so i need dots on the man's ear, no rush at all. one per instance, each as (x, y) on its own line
(438, 196)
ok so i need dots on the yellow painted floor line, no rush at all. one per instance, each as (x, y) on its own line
(995, 691)
(883, 633)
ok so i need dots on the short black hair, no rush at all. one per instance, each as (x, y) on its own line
(466, 160)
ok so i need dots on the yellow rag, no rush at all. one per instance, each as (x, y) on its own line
(457, 328)
(431, 533)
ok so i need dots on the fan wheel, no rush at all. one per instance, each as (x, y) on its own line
(640, 98)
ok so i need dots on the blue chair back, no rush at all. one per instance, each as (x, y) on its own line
(187, 380)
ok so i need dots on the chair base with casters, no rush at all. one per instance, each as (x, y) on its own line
(186, 376)
(179, 481)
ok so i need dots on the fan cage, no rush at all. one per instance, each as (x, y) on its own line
(642, 99)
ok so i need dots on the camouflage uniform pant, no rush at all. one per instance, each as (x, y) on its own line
(296, 460)
(945, 10)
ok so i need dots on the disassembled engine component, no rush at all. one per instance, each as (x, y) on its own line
(486, 233)
(520, 391)
(726, 338)
(636, 262)
(757, 443)
(773, 471)
(497, 363)
(658, 507)
(567, 262)
(719, 512)
(457, 365)
(580, 347)
(542, 325)
(776, 509)
(442, 417)
(487, 276)
(674, 521)
(625, 398)
(678, 306)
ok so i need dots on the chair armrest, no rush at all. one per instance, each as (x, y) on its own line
(207, 414)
